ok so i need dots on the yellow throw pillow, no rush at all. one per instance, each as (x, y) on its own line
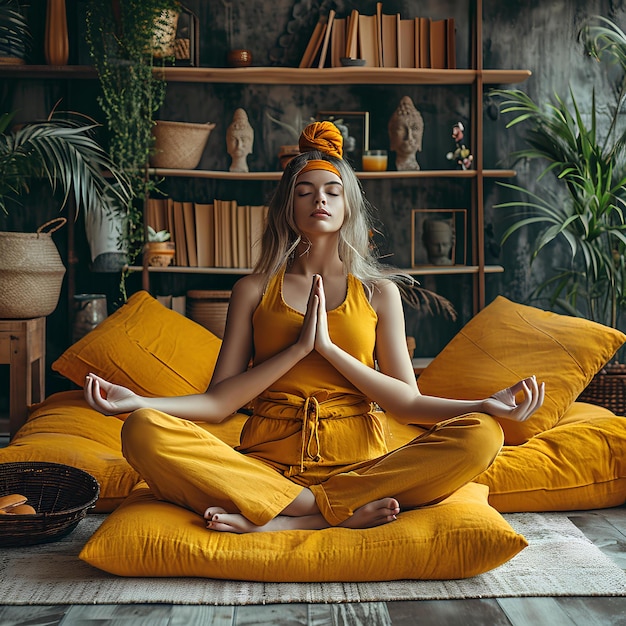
(146, 347)
(460, 537)
(577, 465)
(506, 342)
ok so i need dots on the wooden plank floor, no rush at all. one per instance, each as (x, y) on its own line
(606, 528)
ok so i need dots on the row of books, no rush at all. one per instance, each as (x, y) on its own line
(221, 234)
(382, 40)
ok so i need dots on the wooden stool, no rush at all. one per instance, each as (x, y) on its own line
(23, 349)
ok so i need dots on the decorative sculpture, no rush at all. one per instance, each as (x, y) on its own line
(406, 130)
(461, 154)
(239, 141)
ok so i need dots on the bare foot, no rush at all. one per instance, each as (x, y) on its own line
(369, 515)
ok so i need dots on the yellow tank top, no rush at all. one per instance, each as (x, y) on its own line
(352, 327)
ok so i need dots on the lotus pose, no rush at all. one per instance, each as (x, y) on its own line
(322, 324)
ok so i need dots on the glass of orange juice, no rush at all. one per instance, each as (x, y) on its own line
(374, 160)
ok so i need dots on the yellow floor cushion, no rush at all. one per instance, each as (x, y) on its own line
(506, 342)
(578, 464)
(146, 347)
(460, 537)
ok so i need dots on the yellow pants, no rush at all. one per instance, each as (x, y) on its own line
(184, 464)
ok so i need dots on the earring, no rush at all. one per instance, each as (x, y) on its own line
(308, 247)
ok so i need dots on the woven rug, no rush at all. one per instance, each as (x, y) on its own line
(560, 561)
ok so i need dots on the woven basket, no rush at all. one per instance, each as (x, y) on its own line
(179, 145)
(209, 309)
(31, 273)
(60, 494)
(608, 389)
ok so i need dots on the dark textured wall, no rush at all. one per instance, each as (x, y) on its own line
(519, 34)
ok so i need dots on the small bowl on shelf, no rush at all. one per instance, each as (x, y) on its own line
(350, 62)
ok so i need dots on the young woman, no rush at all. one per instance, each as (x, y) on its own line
(323, 325)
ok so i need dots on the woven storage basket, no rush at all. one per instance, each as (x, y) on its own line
(179, 145)
(31, 273)
(608, 389)
(209, 309)
(60, 494)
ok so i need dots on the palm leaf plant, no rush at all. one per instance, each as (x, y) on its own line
(62, 151)
(587, 211)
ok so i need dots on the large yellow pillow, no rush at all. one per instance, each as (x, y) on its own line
(146, 347)
(458, 538)
(506, 342)
(579, 464)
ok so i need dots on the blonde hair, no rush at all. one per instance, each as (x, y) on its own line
(281, 236)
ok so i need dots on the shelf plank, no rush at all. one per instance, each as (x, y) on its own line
(413, 271)
(224, 175)
(286, 75)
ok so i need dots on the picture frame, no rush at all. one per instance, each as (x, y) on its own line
(357, 132)
(447, 229)
(187, 43)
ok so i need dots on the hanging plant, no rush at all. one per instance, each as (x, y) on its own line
(123, 38)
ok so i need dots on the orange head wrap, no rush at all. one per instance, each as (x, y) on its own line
(326, 138)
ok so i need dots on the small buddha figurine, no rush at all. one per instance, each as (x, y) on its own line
(438, 238)
(239, 141)
(406, 130)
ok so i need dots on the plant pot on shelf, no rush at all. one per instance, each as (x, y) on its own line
(31, 273)
(159, 253)
(107, 235)
(179, 145)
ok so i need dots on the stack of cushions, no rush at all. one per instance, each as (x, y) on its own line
(569, 455)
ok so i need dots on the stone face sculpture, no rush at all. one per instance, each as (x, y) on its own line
(438, 238)
(239, 141)
(406, 130)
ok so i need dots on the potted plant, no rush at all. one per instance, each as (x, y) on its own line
(126, 44)
(584, 200)
(15, 36)
(62, 152)
(158, 250)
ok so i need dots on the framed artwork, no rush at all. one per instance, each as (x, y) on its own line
(438, 237)
(355, 128)
(187, 43)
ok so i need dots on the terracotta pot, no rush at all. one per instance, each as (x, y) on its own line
(159, 253)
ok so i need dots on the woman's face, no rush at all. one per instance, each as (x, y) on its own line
(318, 203)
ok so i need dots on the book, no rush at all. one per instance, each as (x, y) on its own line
(389, 40)
(189, 217)
(338, 41)
(205, 243)
(368, 40)
(352, 32)
(424, 42)
(438, 44)
(243, 244)
(326, 40)
(179, 228)
(233, 252)
(406, 42)
(451, 43)
(379, 32)
(179, 304)
(314, 44)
